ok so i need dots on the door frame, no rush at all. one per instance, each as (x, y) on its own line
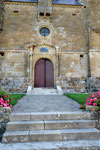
(35, 55)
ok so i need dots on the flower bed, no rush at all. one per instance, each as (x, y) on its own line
(92, 102)
(5, 99)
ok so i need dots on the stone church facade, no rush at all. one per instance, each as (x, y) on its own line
(45, 43)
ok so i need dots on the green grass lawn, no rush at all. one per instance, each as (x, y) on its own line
(15, 97)
(79, 98)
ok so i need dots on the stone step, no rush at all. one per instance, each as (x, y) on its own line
(36, 116)
(49, 125)
(54, 145)
(43, 91)
(50, 135)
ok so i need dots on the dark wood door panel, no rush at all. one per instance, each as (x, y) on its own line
(49, 74)
(39, 73)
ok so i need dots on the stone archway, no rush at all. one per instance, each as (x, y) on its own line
(44, 73)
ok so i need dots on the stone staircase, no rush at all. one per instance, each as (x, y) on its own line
(42, 91)
(59, 128)
(45, 91)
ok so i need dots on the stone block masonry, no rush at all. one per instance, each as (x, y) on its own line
(4, 118)
(71, 85)
(93, 84)
(1, 15)
(14, 71)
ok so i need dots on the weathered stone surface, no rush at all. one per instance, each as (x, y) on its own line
(91, 108)
(4, 118)
(43, 91)
(93, 84)
(80, 134)
(1, 15)
(46, 103)
(6, 110)
(18, 136)
(49, 125)
(20, 117)
(74, 124)
(51, 135)
(45, 116)
(46, 135)
(76, 115)
(24, 126)
(44, 6)
(36, 116)
(62, 145)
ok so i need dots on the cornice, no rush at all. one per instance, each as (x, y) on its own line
(70, 6)
(77, 52)
(15, 51)
(94, 50)
(35, 4)
(20, 3)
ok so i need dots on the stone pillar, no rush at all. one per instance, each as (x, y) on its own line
(31, 66)
(1, 15)
(57, 64)
(57, 61)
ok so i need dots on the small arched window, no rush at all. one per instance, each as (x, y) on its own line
(44, 31)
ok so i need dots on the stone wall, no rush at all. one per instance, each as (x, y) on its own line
(93, 7)
(73, 65)
(95, 63)
(14, 72)
(73, 72)
(1, 15)
(93, 20)
(94, 79)
(72, 85)
(19, 27)
(21, 31)
(69, 28)
(44, 7)
(4, 118)
(66, 28)
(93, 84)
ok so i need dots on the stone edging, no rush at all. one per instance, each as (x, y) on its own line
(96, 116)
(4, 118)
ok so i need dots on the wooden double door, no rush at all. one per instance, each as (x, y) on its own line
(44, 73)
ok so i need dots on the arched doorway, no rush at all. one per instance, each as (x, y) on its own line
(44, 73)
